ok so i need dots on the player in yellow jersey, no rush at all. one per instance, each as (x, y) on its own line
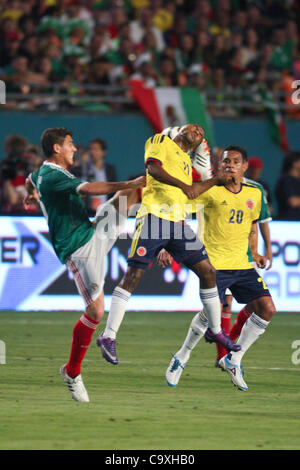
(160, 224)
(229, 212)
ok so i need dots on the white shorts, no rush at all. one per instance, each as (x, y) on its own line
(87, 264)
(258, 270)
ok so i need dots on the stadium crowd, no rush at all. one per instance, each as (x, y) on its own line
(225, 47)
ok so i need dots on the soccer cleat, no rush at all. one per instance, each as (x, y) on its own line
(76, 386)
(236, 372)
(221, 338)
(174, 371)
(108, 349)
(217, 365)
(201, 160)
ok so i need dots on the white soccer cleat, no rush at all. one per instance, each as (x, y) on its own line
(201, 160)
(171, 132)
(76, 386)
(174, 371)
(236, 372)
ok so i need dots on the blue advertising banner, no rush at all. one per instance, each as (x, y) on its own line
(32, 277)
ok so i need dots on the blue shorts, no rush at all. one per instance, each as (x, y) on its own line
(153, 233)
(245, 285)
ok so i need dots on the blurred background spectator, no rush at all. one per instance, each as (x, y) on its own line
(93, 167)
(288, 188)
(14, 168)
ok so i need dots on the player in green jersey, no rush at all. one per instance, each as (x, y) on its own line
(79, 243)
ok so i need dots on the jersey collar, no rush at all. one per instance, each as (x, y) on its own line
(53, 164)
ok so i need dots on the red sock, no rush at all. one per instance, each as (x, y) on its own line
(241, 319)
(225, 324)
(82, 337)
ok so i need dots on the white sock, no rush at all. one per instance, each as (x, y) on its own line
(196, 331)
(211, 303)
(251, 331)
(117, 310)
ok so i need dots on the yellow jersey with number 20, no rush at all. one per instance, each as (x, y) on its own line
(159, 199)
(228, 218)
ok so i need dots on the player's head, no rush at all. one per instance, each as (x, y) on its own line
(191, 135)
(57, 143)
(235, 161)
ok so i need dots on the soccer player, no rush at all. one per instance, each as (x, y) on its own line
(229, 212)
(160, 224)
(78, 243)
(257, 261)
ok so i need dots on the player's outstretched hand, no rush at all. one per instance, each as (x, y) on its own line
(137, 182)
(224, 177)
(31, 200)
(191, 191)
(164, 259)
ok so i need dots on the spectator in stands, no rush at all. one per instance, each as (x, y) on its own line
(144, 23)
(13, 172)
(255, 168)
(288, 188)
(250, 49)
(96, 169)
(236, 36)
(167, 75)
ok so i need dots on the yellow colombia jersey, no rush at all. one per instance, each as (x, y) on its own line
(228, 219)
(163, 200)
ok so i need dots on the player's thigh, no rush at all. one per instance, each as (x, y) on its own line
(88, 267)
(109, 223)
(248, 286)
(206, 273)
(263, 307)
(224, 280)
(131, 278)
(186, 248)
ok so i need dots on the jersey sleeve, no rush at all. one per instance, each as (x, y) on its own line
(33, 177)
(264, 215)
(65, 182)
(155, 149)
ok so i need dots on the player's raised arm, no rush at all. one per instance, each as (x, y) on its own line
(97, 188)
(157, 172)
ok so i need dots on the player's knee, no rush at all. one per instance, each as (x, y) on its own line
(96, 313)
(269, 313)
(131, 279)
(208, 277)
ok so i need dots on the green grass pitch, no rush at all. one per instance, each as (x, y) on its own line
(131, 405)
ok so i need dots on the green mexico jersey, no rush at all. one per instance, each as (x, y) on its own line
(264, 215)
(69, 225)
